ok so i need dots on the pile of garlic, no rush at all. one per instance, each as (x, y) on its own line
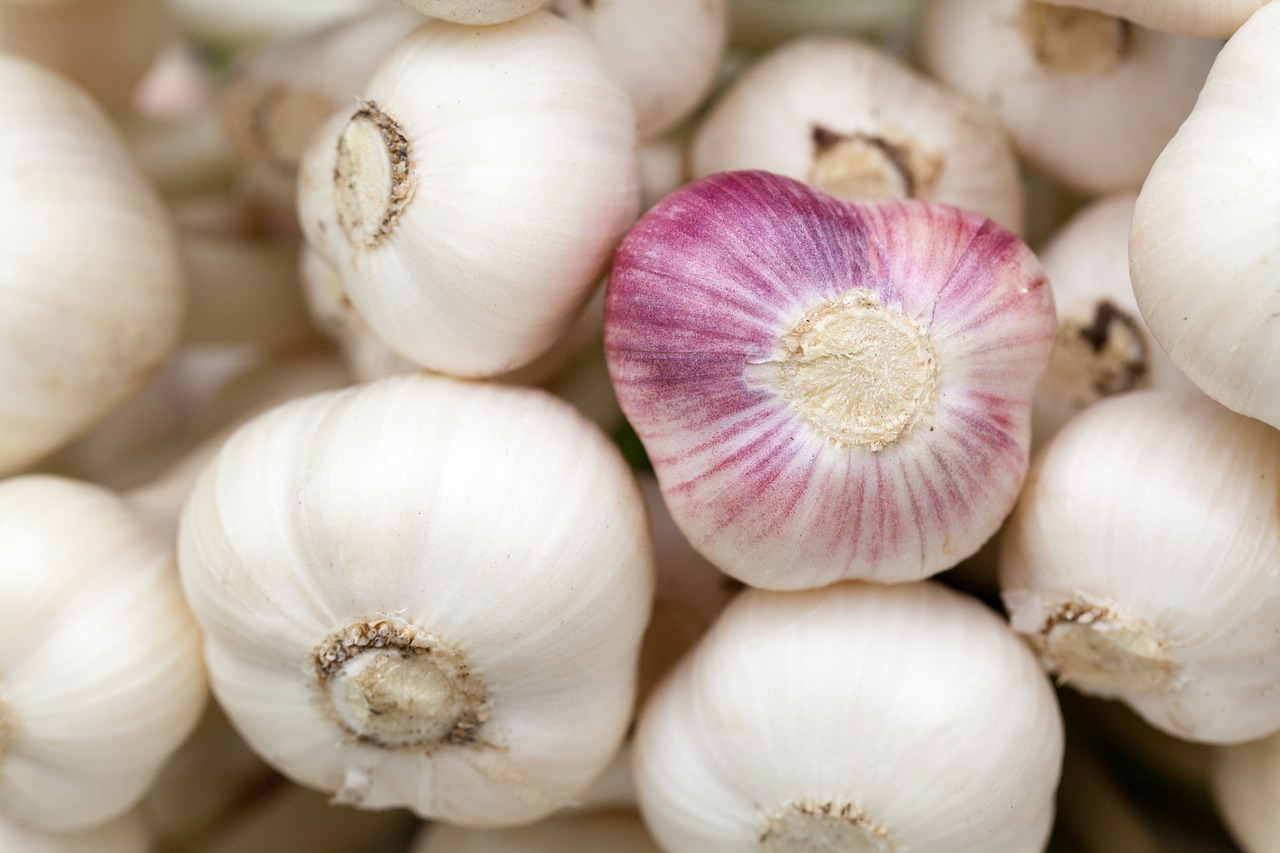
(684, 425)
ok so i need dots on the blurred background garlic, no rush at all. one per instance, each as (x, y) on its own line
(126, 834)
(424, 592)
(1246, 787)
(806, 721)
(614, 832)
(1203, 18)
(241, 23)
(475, 11)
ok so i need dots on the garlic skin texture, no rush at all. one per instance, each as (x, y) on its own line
(92, 278)
(1202, 280)
(126, 834)
(855, 122)
(473, 198)
(424, 592)
(1246, 787)
(1089, 99)
(88, 712)
(827, 390)
(801, 720)
(1200, 18)
(475, 11)
(616, 833)
(1142, 563)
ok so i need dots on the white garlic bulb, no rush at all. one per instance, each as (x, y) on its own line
(856, 717)
(1203, 18)
(1141, 562)
(473, 198)
(616, 833)
(1202, 279)
(475, 11)
(424, 592)
(92, 279)
(858, 123)
(126, 834)
(101, 679)
(1088, 98)
(247, 22)
(1246, 788)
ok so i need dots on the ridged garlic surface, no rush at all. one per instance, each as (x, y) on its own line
(126, 834)
(1088, 98)
(1143, 559)
(857, 717)
(92, 280)
(1246, 788)
(101, 679)
(615, 833)
(1202, 18)
(854, 121)
(424, 592)
(827, 390)
(1205, 247)
(474, 196)
(475, 11)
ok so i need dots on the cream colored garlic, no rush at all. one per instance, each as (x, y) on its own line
(666, 52)
(1246, 788)
(423, 592)
(1088, 98)
(475, 11)
(1103, 345)
(101, 679)
(616, 833)
(855, 717)
(859, 124)
(91, 280)
(126, 834)
(762, 24)
(1203, 18)
(250, 22)
(1141, 563)
(474, 196)
(178, 155)
(663, 167)
(1204, 252)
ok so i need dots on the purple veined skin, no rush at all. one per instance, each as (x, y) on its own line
(827, 389)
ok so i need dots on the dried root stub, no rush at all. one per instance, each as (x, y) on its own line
(827, 389)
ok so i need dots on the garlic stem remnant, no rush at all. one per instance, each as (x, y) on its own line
(1088, 99)
(1140, 562)
(1205, 280)
(797, 722)
(857, 123)
(431, 615)
(1246, 788)
(1200, 18)
(826, 389)
(475, 11)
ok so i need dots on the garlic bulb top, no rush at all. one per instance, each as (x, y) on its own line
(100, 680)
(1205, 247)
(858, 123)
(473, 198)
(826, 389)
(92, 279)
(423, 592)
(475, 11)
(1203, 18)
(856, 717)
(1142, 562)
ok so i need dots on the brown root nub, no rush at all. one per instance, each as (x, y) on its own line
(373, 176)
(1102, 353)
(866, 166)
(1102, 650)
(1074, 41)
(820, 826)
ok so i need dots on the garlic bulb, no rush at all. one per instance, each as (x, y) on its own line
(475, 11)
(90, 711)
(1246, 787)
(1088, 98)
(473, 198)
(126, 834)
(856, 717)
(762, 24)
(423, 592)
(1141, 562)
(858, 123)
(666, 52)
(1202, 280)
(1203, 18)
(616, 833)
(249, 22)
(827, 390)
(92, 280)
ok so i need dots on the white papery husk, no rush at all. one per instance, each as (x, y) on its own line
(1203, 18)
(126, 834)
(1246, 788)
(1149, 522)
(1205, 245)
(768, 119)
(616, 833)
(832, 701)
(101, 680)
(496, 519)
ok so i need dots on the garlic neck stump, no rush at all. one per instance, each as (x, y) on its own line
(373, 176)
(1067, 40)
(872, 166)
(824, 826)
(1104, 651)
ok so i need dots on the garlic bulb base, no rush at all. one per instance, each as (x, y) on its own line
(372, 176)
(1103, 651)
(1099, 352)
(1074, 41)
(392, 685)
(824, 826)
(862, 166)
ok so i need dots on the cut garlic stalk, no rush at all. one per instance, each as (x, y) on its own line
(126, 834)
(827, 390)
(472, 199)
(475, 11)
(802, 722)
(416, 591)
(616, 833)
(92, 280)
(1203, 18)
(1246, 787)
(857, 123)
(1088, 98)
(1141, 561)
(1209, 285)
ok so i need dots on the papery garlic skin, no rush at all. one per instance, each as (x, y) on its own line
(1141, 561)
(1201, 18)
(475, 11)
(92, 279)
(802, 721)
(90, 711)
(616, 833)
(1205, 245)
(1246, 788)
(476, 552)
(126, 834)
(827, 390)
(1089, 99)
(856, 122)
(474, 196)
